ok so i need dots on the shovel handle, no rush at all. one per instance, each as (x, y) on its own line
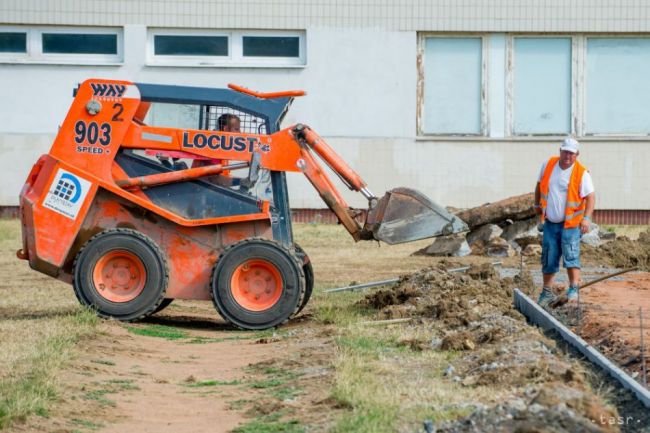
(606, 277)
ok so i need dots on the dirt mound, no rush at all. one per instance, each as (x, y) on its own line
(621, 253)
(456, 299)
(471, 315)
(555, 407)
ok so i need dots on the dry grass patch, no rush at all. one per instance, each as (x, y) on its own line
(630, 231)
(40, 323)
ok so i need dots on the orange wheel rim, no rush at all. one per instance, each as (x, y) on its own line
(256, 285)
(119, 276)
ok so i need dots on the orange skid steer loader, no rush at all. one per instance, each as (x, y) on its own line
(136, 215)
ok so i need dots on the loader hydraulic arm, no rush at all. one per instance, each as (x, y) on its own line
(310, 140)
(401, 215)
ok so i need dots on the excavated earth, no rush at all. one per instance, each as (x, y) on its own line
(473, 315)
(621, 253)
(608, 319)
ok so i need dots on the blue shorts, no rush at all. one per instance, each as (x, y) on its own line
(557, 242)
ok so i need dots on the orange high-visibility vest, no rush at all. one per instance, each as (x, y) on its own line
(575, 206)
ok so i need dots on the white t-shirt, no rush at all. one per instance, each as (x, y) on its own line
(557, 190)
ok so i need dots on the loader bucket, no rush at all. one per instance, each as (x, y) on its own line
(405, 215)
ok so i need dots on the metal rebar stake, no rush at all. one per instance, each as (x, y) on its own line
(645, 373)
(579, 318)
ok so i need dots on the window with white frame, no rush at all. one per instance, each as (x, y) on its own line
(617, 86)
(542, 85)
(75, 45)
(13, 41)
(190, 46)
(176, 47)
(452, 85)
(578, 84)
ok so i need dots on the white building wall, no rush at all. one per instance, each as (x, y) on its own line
(402, 15)
(361, 78)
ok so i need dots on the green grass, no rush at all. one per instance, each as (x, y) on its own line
(205, 383)
(32, 386)
(340, 309)
(268, 333)
(85, 423)
(368, 420)
(98, 395)
(285, 393)
(268, 383)
(381, 382)
(111, 386)
(9, 230)
(159, 331)
(172, 333)
(371, 345)
(270, 424)
(631, 231)
(239, 404)
(279, 384)
(123, 384)
(204, 340)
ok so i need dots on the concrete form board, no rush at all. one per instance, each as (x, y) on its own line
(546, 321)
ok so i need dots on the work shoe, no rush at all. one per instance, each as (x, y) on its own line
(545, 297)
(572, 293)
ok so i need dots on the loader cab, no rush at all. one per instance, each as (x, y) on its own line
(202, 109)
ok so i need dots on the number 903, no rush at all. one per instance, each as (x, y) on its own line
(92, 132)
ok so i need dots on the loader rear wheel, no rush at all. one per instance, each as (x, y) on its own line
(258, 284)
(120, 274)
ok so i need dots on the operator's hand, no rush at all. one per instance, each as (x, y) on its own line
(585, 225)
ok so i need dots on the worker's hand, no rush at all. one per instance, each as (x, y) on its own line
(585, 225)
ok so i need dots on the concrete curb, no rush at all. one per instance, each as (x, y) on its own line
(540, 317)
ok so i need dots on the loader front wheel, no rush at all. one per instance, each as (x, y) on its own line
(120, 274)
(258, 284)
(309, 276)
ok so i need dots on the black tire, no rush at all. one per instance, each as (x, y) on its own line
(164, 304)
(308, 270)
(137, 244)
(284, 261)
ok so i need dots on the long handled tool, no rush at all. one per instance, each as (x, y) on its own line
(563, 299)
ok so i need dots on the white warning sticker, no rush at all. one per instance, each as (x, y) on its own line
(67, 193)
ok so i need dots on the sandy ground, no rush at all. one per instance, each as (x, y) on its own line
(611, 318)
(121, 382)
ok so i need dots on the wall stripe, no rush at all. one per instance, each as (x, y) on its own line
(326, 216)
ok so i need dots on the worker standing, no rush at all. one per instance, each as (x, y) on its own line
(565, 199)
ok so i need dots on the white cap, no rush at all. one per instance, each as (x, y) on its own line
(570, 145)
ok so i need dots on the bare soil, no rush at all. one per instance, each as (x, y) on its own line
(610, 319)
(127, 382)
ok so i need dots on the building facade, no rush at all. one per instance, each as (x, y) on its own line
(461, 99)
